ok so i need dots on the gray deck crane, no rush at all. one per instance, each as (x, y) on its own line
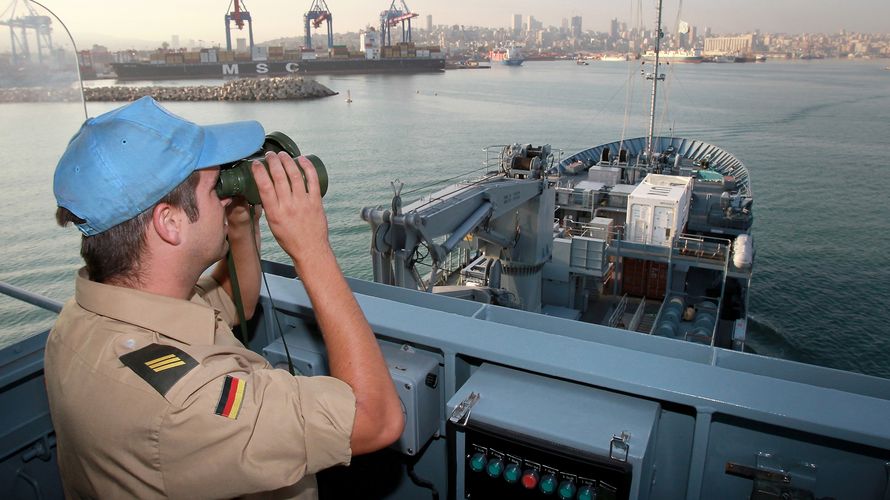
(507, 215)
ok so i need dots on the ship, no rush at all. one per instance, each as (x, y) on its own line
(146, 71)
(510, 388)
(677, 56)
(276, 61)
(508, 56)
(652, 235)
(615, 58)
(376, 55)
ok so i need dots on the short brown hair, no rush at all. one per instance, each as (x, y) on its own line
(114, 255)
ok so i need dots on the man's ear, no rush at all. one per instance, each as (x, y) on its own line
(167, 223)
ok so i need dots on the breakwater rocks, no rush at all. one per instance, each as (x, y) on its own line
(247, 89)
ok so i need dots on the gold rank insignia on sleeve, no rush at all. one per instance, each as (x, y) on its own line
(159, 365)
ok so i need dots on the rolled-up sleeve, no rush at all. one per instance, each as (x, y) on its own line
(217, 443)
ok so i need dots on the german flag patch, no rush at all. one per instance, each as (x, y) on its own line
(159, 365)
(232, 395)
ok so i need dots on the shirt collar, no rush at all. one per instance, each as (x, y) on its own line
(190, 321)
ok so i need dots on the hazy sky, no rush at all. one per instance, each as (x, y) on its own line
(126, 22)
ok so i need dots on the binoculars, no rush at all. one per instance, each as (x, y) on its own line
(237, 179)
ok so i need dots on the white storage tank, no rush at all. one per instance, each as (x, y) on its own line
(742, 251)
(657, 209)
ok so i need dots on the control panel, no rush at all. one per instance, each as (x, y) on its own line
(516, 467)
(521, 435)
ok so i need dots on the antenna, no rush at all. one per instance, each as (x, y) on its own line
(654, 77)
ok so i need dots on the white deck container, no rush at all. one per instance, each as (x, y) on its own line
(657, 209)
(609, 176)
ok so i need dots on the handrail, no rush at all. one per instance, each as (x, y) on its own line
(31, 297)
(620, 307)
(638, 316)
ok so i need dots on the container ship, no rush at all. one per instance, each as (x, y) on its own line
(404, 57)
(377, 53)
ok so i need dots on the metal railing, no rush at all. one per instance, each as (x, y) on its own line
(618, 312)
(31, 297)
(638, 316)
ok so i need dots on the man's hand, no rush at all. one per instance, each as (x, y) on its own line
(295, 216)
(238, 218)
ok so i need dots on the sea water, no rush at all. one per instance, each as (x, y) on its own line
(813, 135)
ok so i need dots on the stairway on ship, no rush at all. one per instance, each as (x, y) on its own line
(646, 323)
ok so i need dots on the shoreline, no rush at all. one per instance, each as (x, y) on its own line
(245, 89)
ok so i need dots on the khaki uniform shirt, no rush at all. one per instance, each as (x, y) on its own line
(154, 397)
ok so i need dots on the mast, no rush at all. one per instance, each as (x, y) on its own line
(655, 77)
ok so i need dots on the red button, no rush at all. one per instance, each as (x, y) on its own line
(530, 479)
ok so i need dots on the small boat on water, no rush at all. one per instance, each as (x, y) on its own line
(508, 56)
(723, 59)
(348, 96)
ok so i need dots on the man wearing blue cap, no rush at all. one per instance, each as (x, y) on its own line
(150, 393)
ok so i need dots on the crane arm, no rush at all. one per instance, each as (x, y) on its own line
(322, 17)
(403, 17)
(236, 15)
(454, 212)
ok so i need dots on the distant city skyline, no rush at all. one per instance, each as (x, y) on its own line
(121, 24)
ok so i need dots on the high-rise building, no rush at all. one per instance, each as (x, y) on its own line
(530, 26)
(174, 41)
(564, 28)
(614, 28)
(576, 26)
(517, 23)
(683, 35)
(429, 22)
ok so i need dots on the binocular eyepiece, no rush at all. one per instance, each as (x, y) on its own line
(237, 179)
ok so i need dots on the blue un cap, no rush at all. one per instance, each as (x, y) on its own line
(123, 162)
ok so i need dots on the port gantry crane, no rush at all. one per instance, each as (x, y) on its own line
(317, 14)
(31, 20)
(239, 16)
(394, 16)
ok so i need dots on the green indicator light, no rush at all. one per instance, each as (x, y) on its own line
(567, 490)
(586, 493)
(548, 484)
(512, 473)
(477, 463)
(495, 467)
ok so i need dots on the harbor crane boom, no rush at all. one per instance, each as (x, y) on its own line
(318, 13)
(31, 20)
(394, 16)
(239, 16)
